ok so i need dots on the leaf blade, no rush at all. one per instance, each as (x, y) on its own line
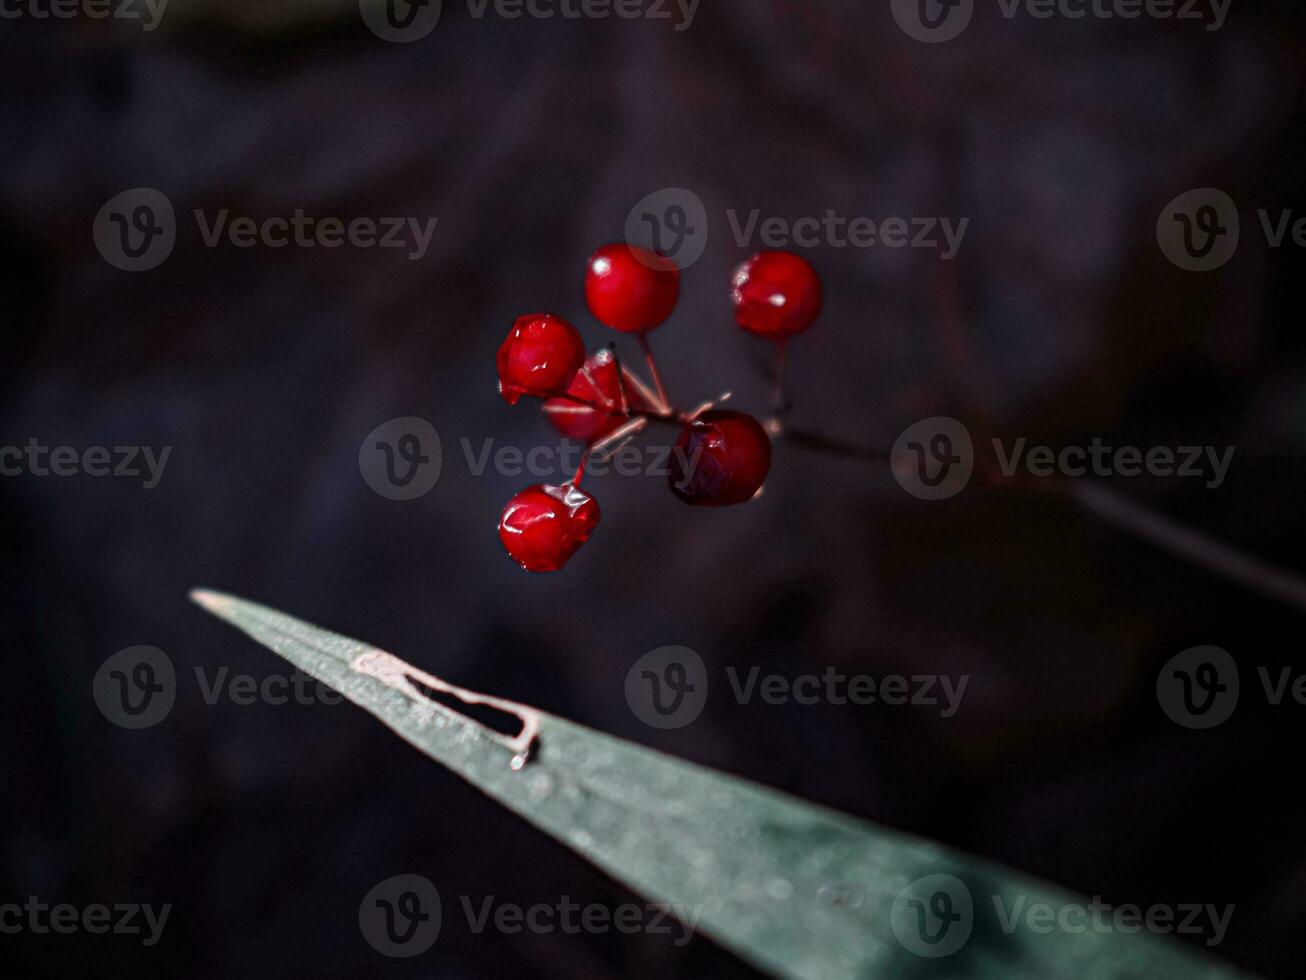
(795, 888)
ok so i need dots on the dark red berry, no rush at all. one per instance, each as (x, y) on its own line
(720, 458)
(776, 294)
(631, 289)
(599, 384)
(544, 525)
(542, 354)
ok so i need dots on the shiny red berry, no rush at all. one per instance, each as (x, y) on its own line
(720, 458)
(542, 526)
(599, 384)
(542, 354)
(631, 289)
(776, 294)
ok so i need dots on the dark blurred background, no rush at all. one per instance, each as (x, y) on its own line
(1060, 319)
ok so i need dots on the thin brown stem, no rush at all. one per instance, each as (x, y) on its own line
(779, 394)
(1203, 550)
(665, 402)
(632, 413)
(1185, 542)
(834, 447)
(610, 444)
(580, 470)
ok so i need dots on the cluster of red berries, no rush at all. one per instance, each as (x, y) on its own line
(598, 400)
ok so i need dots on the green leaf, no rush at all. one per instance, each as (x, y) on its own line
(795, 889)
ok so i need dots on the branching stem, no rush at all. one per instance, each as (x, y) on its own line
(1115, 509)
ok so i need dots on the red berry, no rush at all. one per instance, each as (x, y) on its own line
(542, 354)
(544, 525)
(631, 289)
(776, 294)
(598, 383)
(720, 458)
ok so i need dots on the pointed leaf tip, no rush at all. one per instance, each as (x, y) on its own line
(214, 602)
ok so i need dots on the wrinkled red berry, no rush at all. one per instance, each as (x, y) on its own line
(542, 354)
(720, 458)
(776, 294)
(631, 289)
(544, 525)
(598, 383)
